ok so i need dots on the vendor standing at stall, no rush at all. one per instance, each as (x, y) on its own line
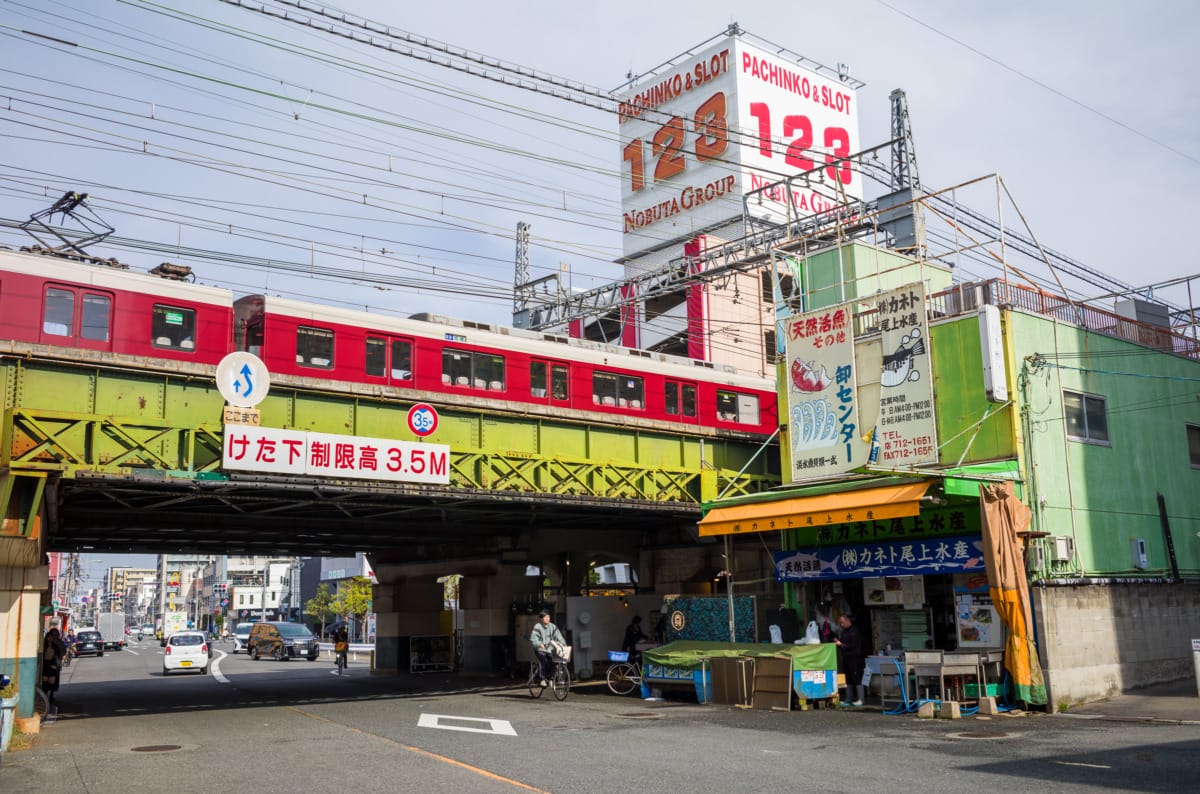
(853, 661)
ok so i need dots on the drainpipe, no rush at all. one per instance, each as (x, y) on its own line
(1166, 528)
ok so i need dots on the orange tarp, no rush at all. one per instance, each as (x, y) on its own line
(865, 504)
(1004, 516)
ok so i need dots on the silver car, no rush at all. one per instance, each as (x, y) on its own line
(241, 634)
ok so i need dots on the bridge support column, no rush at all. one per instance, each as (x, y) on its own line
(405, 606)
(21, 593)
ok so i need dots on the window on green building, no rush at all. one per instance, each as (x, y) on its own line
(1193, 433)
(1086, 417)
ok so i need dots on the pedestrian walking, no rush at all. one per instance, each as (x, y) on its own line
(54, 655)
(853, 661)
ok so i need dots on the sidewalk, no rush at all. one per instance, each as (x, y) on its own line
(1175, 703)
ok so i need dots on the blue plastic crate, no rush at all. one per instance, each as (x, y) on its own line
(618, 656)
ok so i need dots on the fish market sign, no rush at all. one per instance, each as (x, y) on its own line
(896, 558)
(907, 429)
(822, 397)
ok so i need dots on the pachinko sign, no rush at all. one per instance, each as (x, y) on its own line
(895, 558)
(823, 433)
(273, 450)
(726, 121)
(907, 429)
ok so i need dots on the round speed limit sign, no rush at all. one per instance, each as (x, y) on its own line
(422, 419)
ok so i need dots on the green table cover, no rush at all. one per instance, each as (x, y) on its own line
(688, 654)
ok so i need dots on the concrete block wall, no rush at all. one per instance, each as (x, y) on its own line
(1099, 640)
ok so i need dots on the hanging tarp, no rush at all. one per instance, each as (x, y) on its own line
(1003, 516)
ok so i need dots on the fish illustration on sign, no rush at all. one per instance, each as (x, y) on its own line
(898, 367)
(806, 378)
(803, 564)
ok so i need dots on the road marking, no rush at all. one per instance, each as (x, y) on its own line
(129, 650)
(1080, 763)
(215, 668)
(498, 727)
(426, 753)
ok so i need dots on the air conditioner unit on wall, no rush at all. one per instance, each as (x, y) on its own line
(1037, 558)
(1062, 549)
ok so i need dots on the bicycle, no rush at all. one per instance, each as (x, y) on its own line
(624, 675)
(340, 652)
(559, 681)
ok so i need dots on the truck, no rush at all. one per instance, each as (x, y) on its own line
(112, 629)
(173, 622)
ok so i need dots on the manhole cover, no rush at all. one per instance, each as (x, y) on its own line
(981, 735)
(638, 715)
(156, 748)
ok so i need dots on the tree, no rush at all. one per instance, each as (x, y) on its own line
(321, 605)
(353, 600)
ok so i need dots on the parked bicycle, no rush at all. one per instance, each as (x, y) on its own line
(624, 674)
(559, 681)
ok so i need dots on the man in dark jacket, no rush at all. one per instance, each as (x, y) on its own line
(633, 635)
(852, 660)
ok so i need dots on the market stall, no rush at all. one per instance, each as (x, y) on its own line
(687, 662)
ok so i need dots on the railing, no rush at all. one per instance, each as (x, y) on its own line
(967, 298)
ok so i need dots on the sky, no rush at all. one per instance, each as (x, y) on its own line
(272, 157)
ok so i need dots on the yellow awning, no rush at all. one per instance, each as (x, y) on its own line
(866, 504)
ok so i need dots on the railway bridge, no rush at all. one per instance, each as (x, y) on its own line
(114, 453)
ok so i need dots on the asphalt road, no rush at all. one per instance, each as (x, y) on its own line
(295, 726)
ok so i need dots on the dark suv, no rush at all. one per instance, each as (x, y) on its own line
(89, 642)
(281, 640)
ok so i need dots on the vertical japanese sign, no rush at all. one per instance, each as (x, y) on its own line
(822, 395)
(907, 430)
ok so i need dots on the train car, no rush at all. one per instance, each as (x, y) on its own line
(52, 300)
(65, 303)
(438, 355)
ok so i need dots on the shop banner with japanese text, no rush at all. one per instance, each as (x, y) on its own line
(906, 431)
(824, 436)
(895, 558)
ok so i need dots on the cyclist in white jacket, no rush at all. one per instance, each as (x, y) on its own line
(543, 634)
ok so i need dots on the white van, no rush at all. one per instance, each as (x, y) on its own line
(241, 635)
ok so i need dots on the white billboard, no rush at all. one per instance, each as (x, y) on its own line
(822, 396)
(907, 428)
(726, 121)
(273, 450)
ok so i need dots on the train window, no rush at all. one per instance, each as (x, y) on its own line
(314, 347)
(681, 398)
(558, 382)
(621, 391)
(736, 407)
(473, 370)
(401, 359)
(173, 327)
(59, 315)
(97, 317)
(376, 356)
(540, 372)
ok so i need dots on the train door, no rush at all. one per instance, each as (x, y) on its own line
(391, 358)
(680, 397)
(77, 317)
(548, 381)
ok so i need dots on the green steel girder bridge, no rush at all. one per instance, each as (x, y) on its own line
(117, 453)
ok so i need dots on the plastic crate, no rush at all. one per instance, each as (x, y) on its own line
(990, 690)
(618, 656)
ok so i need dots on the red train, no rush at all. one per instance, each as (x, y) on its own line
(55, 301)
